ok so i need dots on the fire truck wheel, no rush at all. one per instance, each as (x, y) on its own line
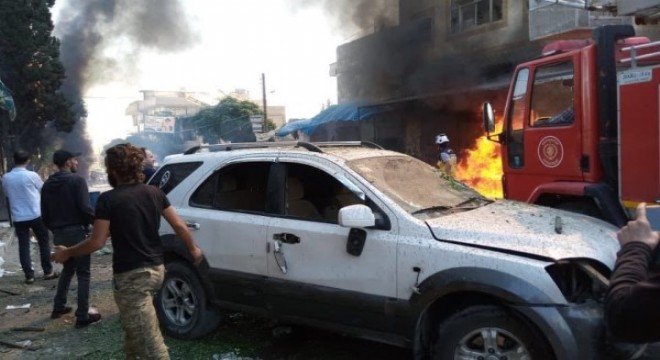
(488, 332)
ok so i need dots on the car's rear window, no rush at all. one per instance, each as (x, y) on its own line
(170, 175)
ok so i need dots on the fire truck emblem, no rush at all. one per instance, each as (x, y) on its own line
(551, 152)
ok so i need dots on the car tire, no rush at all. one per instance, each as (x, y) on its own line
(182, 306)
(488, 332)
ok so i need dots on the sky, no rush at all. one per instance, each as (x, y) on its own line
(238, 41)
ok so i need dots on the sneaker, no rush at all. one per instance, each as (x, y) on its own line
(52, 275)
(56, 314)
(29, 280)
(91, 318)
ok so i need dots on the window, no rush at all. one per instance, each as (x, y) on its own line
(552, 95)
(313, 194)
(467, 14)
(237, 187)
(169, 176)
(516, 119)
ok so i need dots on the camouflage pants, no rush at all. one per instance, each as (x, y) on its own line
(134, 291)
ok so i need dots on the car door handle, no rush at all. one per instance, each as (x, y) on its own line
(193, 225)
(287, 238)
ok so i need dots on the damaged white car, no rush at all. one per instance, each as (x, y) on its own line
(379, 245)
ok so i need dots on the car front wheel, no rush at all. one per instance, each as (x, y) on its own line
(488, 332)
(181, 304)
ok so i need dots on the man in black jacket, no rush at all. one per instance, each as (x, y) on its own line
(632, 313)
(67, 212)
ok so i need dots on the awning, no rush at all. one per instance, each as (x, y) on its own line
(340, 112)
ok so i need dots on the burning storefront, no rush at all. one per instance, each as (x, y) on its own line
(432, 72)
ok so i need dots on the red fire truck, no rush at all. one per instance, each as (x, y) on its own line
(581, 126)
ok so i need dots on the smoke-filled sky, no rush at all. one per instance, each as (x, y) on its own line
(114, 48)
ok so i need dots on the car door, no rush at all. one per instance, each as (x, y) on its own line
(227, 214)
(311, 274)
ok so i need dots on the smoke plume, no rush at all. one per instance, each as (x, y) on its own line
(101, 39)
(349, 16)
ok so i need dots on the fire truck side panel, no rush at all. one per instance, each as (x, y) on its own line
(639, 135)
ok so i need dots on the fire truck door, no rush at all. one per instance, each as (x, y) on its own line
(552, 142)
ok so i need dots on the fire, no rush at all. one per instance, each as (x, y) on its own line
(481, 166)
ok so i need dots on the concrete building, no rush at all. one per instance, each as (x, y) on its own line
(158, 110)
(432, 72)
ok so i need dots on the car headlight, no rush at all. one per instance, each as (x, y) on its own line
(580, 280)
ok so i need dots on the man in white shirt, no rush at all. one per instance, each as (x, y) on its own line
(23, 189)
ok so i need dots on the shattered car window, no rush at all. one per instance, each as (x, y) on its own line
(413, 184)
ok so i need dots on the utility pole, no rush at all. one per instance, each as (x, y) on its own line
(263, 91)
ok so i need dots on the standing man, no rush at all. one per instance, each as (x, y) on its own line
(148, 165)
(22, 188)
(67, 212)
(446, 156)
(131, 212)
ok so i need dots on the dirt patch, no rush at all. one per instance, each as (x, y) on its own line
(46, 338)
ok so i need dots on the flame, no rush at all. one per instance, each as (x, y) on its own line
(481, 167)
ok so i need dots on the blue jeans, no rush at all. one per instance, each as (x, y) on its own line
(79, 266)
(41, 233)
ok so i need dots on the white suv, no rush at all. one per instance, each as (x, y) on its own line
(377, 244)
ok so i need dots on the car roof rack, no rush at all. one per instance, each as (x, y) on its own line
(314, 147)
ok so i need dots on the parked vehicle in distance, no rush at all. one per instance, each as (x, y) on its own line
(377, 244)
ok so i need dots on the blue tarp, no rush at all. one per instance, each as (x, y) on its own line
(341, 112)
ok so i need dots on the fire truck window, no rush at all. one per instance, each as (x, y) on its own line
(552, 96)
(516, 119)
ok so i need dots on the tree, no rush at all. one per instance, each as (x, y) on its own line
(229, 121)
(31, 68)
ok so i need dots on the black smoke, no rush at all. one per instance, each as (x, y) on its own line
(101, 40)
(347, 16)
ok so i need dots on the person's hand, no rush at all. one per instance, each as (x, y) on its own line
(60, 255)
(639, 230)
(197, 255)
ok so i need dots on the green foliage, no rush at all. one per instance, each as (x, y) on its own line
(228, 121)
(270, 125)
(30, 67)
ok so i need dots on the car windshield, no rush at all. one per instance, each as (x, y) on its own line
(416, 186)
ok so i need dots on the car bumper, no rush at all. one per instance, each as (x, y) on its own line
(577, 331)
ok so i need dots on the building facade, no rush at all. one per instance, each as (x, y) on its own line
(432, 72)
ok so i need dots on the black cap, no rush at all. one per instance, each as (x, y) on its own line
(61, 156)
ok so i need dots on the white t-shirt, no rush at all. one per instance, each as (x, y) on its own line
(23, 188)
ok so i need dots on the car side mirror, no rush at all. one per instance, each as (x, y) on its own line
(356, 216)
(489, 118)
(489, 124)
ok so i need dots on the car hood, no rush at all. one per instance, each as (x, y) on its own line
(529, 229)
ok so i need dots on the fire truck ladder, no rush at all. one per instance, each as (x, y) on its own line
(634, 58)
